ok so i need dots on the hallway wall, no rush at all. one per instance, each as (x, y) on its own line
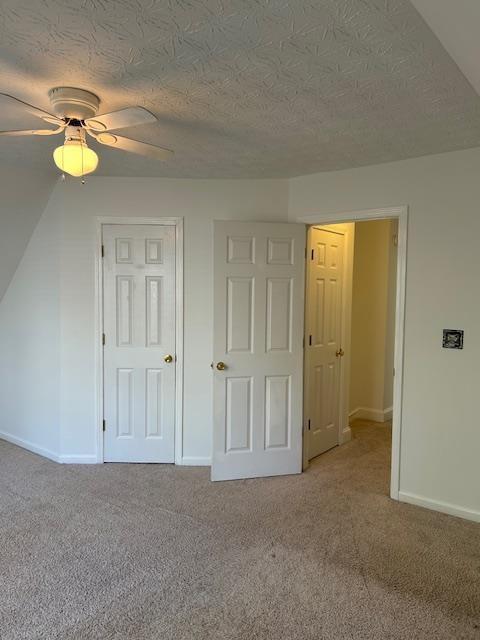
(373, 320)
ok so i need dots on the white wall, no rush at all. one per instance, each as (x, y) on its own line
(29, 345)
(24, 194)
(199, 202)
(52, 297)
(373, 320)
(440, 438)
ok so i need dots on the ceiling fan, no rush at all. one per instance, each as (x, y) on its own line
(75, 115)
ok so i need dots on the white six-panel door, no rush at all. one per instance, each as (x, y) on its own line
(258, 354)
(323, 351)
(139, 327)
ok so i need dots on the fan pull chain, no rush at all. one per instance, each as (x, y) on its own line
(83, 176)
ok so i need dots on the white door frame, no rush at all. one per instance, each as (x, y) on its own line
(400, 213)
(178, 224)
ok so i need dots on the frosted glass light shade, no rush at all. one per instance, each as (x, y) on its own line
(75, 158)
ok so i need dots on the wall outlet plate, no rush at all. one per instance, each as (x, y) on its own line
(452, 339)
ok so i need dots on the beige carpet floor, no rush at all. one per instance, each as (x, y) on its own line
(156, 552)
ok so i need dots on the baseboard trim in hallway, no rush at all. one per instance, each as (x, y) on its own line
(436, 505)
(367, 413)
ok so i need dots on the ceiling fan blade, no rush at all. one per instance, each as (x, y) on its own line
(32, 132)
(134, 146)
(129, 117)
(6, 100)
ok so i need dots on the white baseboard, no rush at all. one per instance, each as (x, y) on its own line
(367, 413)
(80, 459)
(46, 453)
(437, 505)
(346, 435)
(195, 461)
(30, 446)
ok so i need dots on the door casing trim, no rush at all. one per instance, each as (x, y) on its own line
(401, 214)
(179, 322)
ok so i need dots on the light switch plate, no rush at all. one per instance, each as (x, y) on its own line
(452, 339)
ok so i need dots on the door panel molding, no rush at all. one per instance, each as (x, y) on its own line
(325, 309)
(401, 214)
(153, 254)
(257, 351)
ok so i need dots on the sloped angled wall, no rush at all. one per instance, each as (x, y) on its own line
(24, 194)
(30, 343)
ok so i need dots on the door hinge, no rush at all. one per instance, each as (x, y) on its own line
(103, 425)
(103, 251)
(309, 424)
(310, 341)
(103, 339)
(395, 240)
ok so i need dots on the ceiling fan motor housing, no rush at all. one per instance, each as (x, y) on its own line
(68, 102)
(75, 134)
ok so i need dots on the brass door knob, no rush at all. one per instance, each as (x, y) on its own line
(340, 353)
(168, 359)
(221, 366)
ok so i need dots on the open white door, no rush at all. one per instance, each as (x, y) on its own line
(323, 329)
(258, 352)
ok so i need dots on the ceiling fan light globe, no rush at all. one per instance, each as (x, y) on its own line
(76, 159)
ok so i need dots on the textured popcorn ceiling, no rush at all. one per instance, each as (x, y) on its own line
(243, 88)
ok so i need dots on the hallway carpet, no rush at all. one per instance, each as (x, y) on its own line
(156, 552)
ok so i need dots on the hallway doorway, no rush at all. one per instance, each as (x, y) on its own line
(350, 315)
